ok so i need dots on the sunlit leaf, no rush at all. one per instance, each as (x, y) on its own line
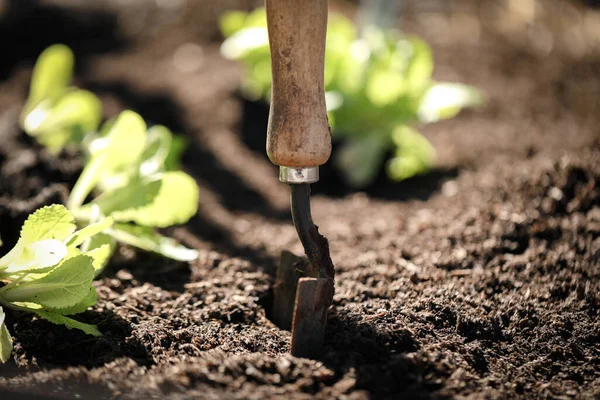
(100, 247)
(256, 18)
(78, 110)
(88, 301)
(158, 146)
(244, 41)
(38, 255)
(6, 344)
(51, 74)
(170, 199)
(414, 154)
(231, 22)
(124, 145)
(420, 66)
(64, 286)
(445, 100)
(384, 87)
(90, 230)
(49, 222)
(145, 238)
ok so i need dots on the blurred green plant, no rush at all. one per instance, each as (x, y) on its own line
(55, 113)
(378, 88)
(131, 170)
(49, 271)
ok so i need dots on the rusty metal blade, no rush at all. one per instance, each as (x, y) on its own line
(291, 268)
(313, 299)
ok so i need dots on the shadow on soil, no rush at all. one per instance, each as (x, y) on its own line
(379, 358)
(168, 274)
(56, 346)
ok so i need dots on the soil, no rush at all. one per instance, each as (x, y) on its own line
(479, 280)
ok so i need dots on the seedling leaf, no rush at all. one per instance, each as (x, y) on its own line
(100, 248)
(80, 236)
(445, 100)
(171, 199)
(158, 145)
(51, 74)
(145, 238)
(6, 343)
(64, 286)
(123, 145)
(38, 256)
(414, 154)
(50, 222)
(231, 22)
(69, 322)
(75, 114)
(420, 67)
(88, 301)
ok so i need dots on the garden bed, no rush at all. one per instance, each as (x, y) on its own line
(479, 279)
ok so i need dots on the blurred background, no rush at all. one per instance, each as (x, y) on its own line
(535, 65)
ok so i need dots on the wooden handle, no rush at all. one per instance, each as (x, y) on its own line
(298, 134)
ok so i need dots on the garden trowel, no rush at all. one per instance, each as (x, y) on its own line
(299, 141)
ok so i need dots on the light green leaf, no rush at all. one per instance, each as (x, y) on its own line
(172, 199)
(445, 100)
(420, 67)
(158, 145)
(64, 286)
(173, 160)
(69, 322)
(51, 74)
(245, 41)
(256, 18)
(361, 159)
(80, 111)
(145, 238)
(83, 234)
(88, 301)
(231, 22)
(38, 256)
(49, 222)
(123, 145)
(6, 344)
(407, 166)
(100, 247)
(75, 114)
(414, 154)
(384, 87)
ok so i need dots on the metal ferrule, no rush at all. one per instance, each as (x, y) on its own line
(298, 175)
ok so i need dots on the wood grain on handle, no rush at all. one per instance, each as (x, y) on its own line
(298, 134)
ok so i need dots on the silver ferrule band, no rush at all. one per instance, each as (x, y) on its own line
(298, 175)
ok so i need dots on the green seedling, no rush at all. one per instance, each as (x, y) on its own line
(379, 87)
(133, 172)
(57, 114)
(50, 270)
(129, 166)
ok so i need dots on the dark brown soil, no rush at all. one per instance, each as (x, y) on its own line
(478, 280)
